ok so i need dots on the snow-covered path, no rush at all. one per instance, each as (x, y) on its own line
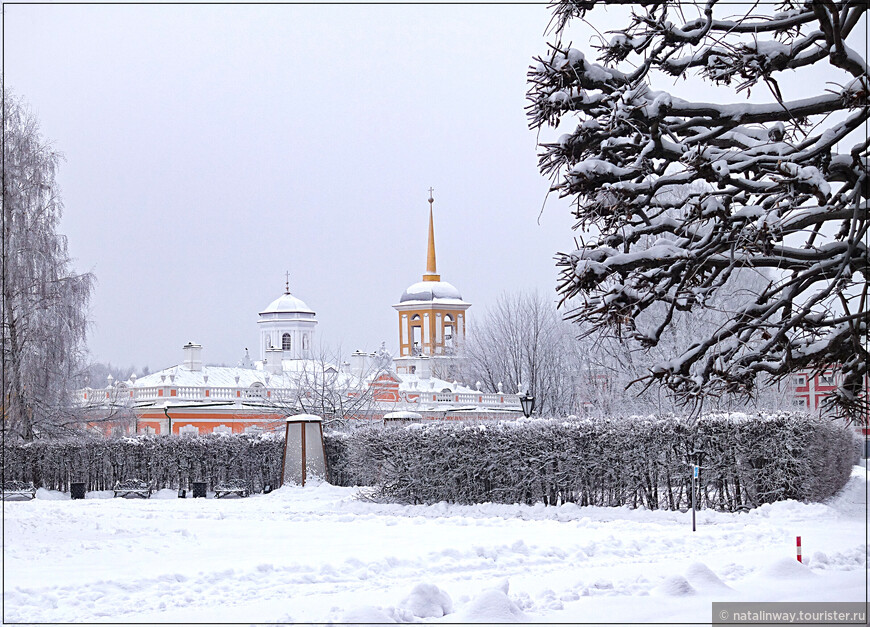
(320, 555)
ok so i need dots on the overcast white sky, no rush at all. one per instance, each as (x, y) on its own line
(211, 148)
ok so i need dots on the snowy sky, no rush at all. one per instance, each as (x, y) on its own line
(211, 148)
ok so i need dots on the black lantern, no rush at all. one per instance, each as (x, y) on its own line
(528, 404)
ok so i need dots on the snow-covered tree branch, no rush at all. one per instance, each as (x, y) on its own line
(677, 194)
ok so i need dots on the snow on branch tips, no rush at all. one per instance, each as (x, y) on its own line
(681, 183)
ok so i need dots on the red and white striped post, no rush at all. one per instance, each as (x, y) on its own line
(799, 550)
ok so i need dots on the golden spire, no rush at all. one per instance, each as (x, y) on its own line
(431, 271)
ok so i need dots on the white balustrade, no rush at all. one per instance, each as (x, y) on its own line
(239, 394)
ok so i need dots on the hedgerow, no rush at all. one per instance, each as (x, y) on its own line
(164, 462)
(745, 461)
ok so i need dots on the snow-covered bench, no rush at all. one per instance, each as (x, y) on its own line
(234, 486)
(20, 489)
(133, 487)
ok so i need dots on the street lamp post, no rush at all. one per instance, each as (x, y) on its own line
(527, 402)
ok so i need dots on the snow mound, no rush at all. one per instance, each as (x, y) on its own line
(787, 568)
(675, 586)
(851, 559)
(165, 493)
(701, 577)
(427, 601)
(51, 495)
(366, 615)
(851, 501)
(492, 606)
(820, 560)
(100, 494)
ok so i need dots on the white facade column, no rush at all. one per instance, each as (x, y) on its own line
(403, 331)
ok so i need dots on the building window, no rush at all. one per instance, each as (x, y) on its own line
(827, 378)
(305, 341)
(222, 429)
(286, 343)
(188, 430)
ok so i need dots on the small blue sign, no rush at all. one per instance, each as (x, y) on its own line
(696, 471)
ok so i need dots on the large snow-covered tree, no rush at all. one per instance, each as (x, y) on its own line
(676, 194)
(44, 316)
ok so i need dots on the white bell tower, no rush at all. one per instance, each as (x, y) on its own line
(287, 325)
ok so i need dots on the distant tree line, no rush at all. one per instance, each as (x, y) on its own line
(523, 343)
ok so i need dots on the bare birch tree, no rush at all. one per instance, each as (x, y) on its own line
(522, 342)
(777, 191)
(44, 303)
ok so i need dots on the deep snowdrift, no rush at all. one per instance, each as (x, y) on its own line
(321, 554)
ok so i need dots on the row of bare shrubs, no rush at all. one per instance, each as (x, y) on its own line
(745, 461)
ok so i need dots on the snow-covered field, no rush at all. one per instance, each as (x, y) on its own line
(320, 554)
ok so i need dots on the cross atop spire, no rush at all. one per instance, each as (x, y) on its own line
(431, 270)
(287, 283)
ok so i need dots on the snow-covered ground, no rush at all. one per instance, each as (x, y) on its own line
(320, 554)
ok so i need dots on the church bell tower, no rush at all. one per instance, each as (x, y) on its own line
(431, 318)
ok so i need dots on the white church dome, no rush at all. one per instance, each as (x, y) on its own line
(430, 291)
(287, 303)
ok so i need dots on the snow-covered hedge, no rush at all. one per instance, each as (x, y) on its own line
(163, 462)
(745, 461)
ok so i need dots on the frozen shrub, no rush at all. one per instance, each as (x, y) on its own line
(640, 462)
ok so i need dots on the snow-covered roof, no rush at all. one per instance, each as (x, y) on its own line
(287, 303)
(429, 291)
(414, 383)
(224, 376)
(403, 415)
(304, 418)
